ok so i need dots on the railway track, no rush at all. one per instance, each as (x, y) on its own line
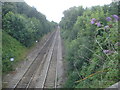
(51, 76)
(47, 75)
(42, 73)
(28, 76)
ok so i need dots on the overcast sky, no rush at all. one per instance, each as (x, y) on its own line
(53, 9)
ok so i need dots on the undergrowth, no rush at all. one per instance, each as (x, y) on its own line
(11, 48)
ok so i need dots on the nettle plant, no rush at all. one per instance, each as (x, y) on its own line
(107, 34)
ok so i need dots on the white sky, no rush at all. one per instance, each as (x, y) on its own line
(53, 9)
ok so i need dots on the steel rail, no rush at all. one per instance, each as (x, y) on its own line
(49, 59)
(31, 64)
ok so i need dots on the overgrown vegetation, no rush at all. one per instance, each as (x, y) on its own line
(22, 26)
(25, 23)
(11, 49)
(91, 39)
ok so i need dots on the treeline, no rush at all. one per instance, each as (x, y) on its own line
(22, 26)
(25, 23)
(91, 41)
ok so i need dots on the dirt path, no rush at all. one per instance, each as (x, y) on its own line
(43, 67)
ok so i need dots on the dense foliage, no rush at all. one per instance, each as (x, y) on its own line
(25, 23)
(22, 26)
(91, 40)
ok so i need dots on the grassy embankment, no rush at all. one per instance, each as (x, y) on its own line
(11, 49)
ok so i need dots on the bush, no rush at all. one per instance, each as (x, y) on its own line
(25, 30)
(11, 48)
(92, 47)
